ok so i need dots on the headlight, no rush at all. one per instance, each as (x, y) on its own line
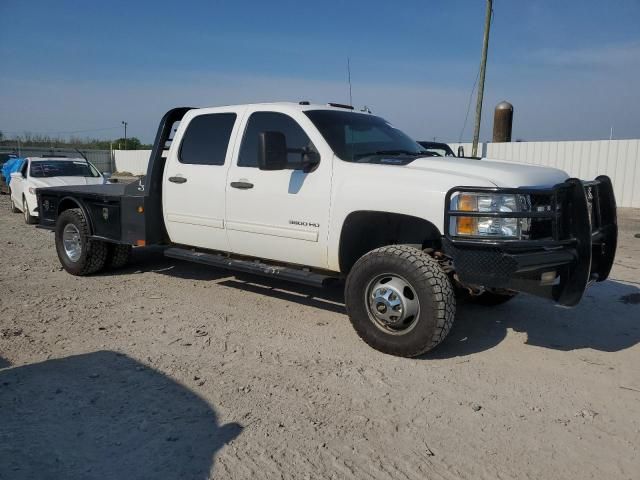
(32, 190)
(490, 226)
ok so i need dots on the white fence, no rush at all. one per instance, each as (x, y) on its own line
(619, 159)
(132, 161)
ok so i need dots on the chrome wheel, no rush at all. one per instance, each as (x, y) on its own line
(392, 304)
(25, 210)
(71, 242)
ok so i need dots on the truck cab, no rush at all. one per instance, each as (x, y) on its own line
(216, 196)
(321, 193)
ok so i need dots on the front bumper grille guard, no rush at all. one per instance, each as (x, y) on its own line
(581, 245)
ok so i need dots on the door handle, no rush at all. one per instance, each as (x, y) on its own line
(177, 179)
(242, 185)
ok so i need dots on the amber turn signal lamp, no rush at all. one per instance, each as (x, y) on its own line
(468, 203)
(467, 226)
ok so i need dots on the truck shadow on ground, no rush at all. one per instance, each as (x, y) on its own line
(104, 415)
(4, 363)
(151, 260)
(603, 321)
(607, 319)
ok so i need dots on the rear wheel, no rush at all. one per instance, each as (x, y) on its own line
(399, 300)
(28, 218)
(78, 254)
(118, 255)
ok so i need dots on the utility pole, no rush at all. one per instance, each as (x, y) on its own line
(349, 80)
(483, 69)
(125, 134)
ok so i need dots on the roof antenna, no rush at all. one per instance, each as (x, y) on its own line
(83, 156)
(349, 79)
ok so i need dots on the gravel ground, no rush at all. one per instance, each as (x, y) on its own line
(173, 370)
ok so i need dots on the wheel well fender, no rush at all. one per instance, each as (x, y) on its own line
(363, 231)
(67, 203)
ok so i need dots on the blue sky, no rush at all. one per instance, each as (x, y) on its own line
(571, 68)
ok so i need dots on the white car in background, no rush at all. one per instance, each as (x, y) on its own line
(39, 172)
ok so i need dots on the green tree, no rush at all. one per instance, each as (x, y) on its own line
(132, 143)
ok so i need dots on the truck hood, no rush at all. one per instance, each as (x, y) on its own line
(64, 181)
(500, 174)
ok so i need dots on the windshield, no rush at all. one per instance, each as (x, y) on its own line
(62, 168)
(359, 137)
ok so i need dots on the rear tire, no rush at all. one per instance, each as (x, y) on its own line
(399, 300)
(78, 254)
(28, 218)
(118, 256)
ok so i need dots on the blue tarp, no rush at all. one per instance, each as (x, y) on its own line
(10, 166)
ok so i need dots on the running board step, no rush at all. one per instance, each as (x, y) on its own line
(248, 266)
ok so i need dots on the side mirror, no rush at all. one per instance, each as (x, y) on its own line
(16, 175)
(310, 158)
(461, 151)
(272, 153)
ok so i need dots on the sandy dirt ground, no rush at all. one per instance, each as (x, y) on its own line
(170, 370)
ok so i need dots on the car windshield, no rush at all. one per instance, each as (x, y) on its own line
(61, 168)
(359, 137)
(440, 152)
(438, 149)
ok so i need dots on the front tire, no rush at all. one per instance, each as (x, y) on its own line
(78, 254)
(12, 205)
(28, 218)
(399, 300)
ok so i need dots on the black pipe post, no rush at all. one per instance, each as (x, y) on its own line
(502, 122)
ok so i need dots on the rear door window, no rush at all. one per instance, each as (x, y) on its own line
(206, 139)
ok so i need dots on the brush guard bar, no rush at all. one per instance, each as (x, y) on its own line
(578, 242)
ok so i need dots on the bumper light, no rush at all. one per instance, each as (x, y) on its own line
(490, 225)
(549, 278)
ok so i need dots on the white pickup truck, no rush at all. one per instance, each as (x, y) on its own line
(320, 193)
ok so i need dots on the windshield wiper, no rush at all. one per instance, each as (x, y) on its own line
(390, 152)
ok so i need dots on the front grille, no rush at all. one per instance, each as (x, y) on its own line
(541, 228)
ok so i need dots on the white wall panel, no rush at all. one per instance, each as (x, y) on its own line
(132, 161)
(619, 159)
